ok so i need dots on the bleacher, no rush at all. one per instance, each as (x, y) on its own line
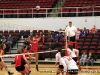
(84, 8)
(90, 43)
(25, 8)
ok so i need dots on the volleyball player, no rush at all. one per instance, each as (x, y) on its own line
(25, 49)
(21, 63)
(2, 64)
(58, 57)
(69, 65)
(73, 52)
(34, 47)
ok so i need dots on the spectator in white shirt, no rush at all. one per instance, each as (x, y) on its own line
(71, 32)
(83, 59)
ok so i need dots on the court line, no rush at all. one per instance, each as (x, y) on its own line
(56, 67)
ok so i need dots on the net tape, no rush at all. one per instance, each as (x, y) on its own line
(12, 55)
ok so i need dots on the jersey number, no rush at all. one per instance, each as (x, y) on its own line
(69, 58)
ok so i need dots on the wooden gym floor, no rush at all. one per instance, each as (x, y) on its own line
(46, 69)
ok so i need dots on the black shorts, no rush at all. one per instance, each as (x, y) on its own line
(75, 59)
(73, 71)
(20, 68)
(71, 38)
(0, 60)
(61, 66)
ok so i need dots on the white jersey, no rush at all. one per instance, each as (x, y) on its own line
(73, 53)
(58, 57)
(68, 63)
(71, 31)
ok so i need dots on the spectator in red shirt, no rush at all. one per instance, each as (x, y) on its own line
(93, 30)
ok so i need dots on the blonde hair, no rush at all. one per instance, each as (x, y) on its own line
(19, 51)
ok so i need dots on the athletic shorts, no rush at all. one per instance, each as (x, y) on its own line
(20, 68)
(61, 66)
(73, 71)
(0, 60)
(75, 59)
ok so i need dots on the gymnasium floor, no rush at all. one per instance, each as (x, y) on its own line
(46, 69)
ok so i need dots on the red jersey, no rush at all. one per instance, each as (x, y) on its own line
(1, 52)
(34, 47)
(18, 60)
(93, 30)
(25, 51)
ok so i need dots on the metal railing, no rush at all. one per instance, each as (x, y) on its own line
(47, 11)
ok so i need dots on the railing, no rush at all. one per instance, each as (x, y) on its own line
(33, 12)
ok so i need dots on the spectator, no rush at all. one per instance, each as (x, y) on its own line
(70, 32)
(10, 40)
(83, 58)
(61, 35)
(26, 42)
(78, 33)
(0, 41)
(56, 36)
(57, 45)
(3, 39)
(84, 32)
(90, 59)
(93, 30)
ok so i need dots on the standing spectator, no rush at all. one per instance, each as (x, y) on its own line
(10, 40)
(71, 32)
(90, 59)
(93, 30)
(83, 59)
(84, 32)
(78, 33)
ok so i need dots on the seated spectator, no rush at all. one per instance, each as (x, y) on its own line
(93, 30)
(0, 41)
(90, 59)
(56, 45)
(61, 35)
(84, 32)
(26, 42)
(3, 39)
(10, 40)
(56, 36)
(78, 33)
(83, 59)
